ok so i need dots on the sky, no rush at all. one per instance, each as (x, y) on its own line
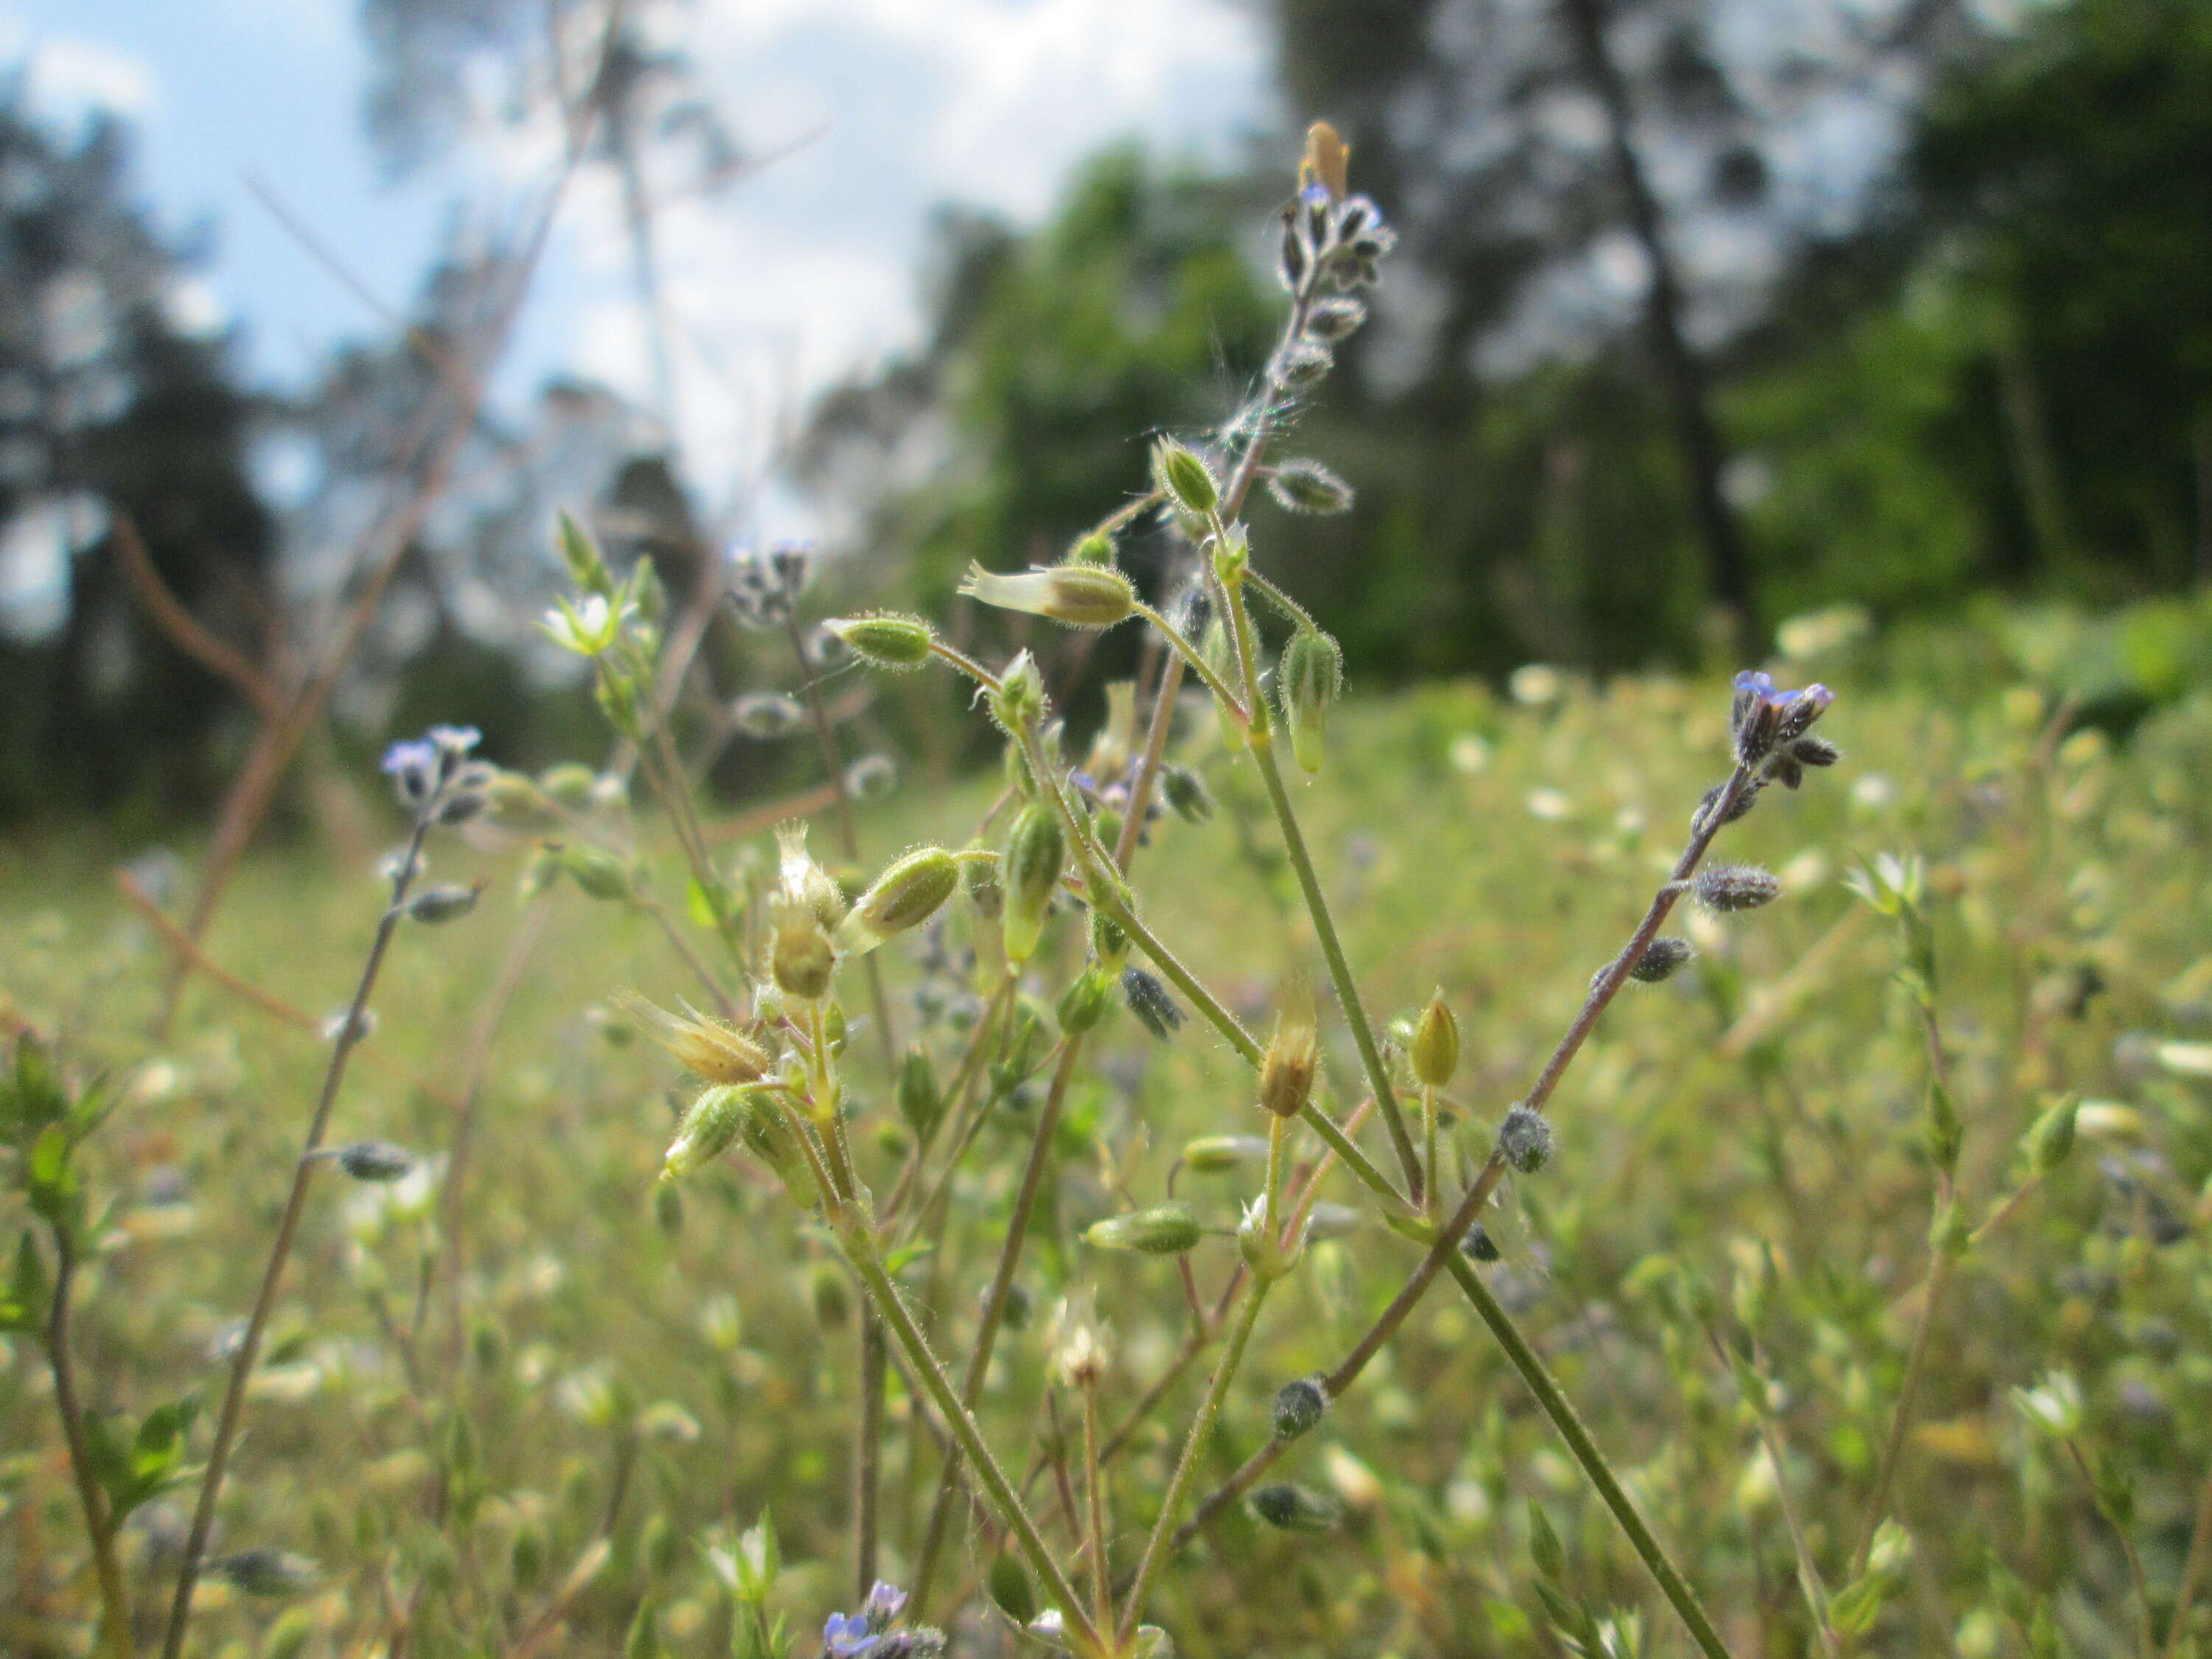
(802, 275)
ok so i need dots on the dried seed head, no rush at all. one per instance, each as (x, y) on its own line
(1080, 595)
(1311, 676)
(1434, 1050)
(1029, 872)
(1164, 1229)
(1299, 1405)
(885, 640)
(908, 893)
(708, 1048)
(1286, 1072)
(1524, 1140)
(1723, 887)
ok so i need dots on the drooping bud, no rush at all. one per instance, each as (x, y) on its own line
(1029, 872)
(376, 1160)
(1299, 1405)
(888, 640)
(1663, 959)
(1148, 1000)
(1434, 1049)
(1286, 1072)
(1080, 595)
(1724, 887)
(919, 1102)
(1164, 1229)
(708, 1048)
(1220, 1154)
(1187, 479)
(1311, 675)
(1087, 1001)
(908, 893)
(1186, 792)
(1524, 1139)
(1294, 1508)
(1308, 487)
(708, 1128)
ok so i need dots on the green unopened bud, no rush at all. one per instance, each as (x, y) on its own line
(2051, 1142)
(888, 640)
(1109, 941)
(1097, 548)
(919, 1102)
(1220, 1154)
(1186, 478)
(599, 872)
(801, 959)
(1164, 1229)
(1311, 675)
(1037, 849)
(1299, 1406)
(1008, 1582)
(905, 895)
(980, 878)
(1946, 1132)
(1019, 702)
(708, 1128)
(587, 568)
(1088, 1001)
(1950, 1233)
(1186, 792)
(1434, 1047)
(1308, 487)
(1080, 595)
(1268, 1255)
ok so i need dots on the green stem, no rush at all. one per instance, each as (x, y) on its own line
(860, 1245)
(1331, 950)
(1561, 1411)
(1199, 666)
(1179, 1485)
(114, 1638)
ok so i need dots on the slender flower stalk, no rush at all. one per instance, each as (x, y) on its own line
(113, 1640)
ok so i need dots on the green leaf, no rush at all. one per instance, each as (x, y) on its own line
(1853, 1609)
(24, 1305)
(50, 1181)
(1544, 1546)
(898, 1260)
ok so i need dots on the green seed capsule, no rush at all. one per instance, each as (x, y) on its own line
(1164, 1230)
(886, 641)
(1036, 849)
(1178, 470)
(905, 895)
(1311, 676)
(1434, 1047)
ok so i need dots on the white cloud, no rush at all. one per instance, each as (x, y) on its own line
(68, 76)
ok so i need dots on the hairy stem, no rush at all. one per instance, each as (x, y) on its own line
(280, 1251)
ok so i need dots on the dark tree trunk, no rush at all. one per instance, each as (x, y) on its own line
(1727, 577)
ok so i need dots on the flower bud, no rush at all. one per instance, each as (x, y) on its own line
(1148, 1000)
(1220, 1154)
(1294, 1508)
(1029, 872)
(1186, 478)
(2051, 1140)
(907, 894)
(586, 567)
(1267, 1255)
(708, 1129)
(1187, 793)
(1663, 959)
(1164, 1229)
(1736, 887)
(1087, 1001)
(443, 903)
(1080, 595)
(1299, 1406)
(1311, 676)
(1109, 940)
(1334, 316)
(376, 1160)
(1479, 1245)
(919, 1102)
(887, 640)
(801, 959)
(1019, 702)
(1524, 1139)
(1308, 487)
(1434, 1049)
(1286, 1072)
(1096, 548)
(599, 872)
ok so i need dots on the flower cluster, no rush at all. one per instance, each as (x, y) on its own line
(1769, 722)
(867, 1634)
(433, 777)
(1341, 239)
